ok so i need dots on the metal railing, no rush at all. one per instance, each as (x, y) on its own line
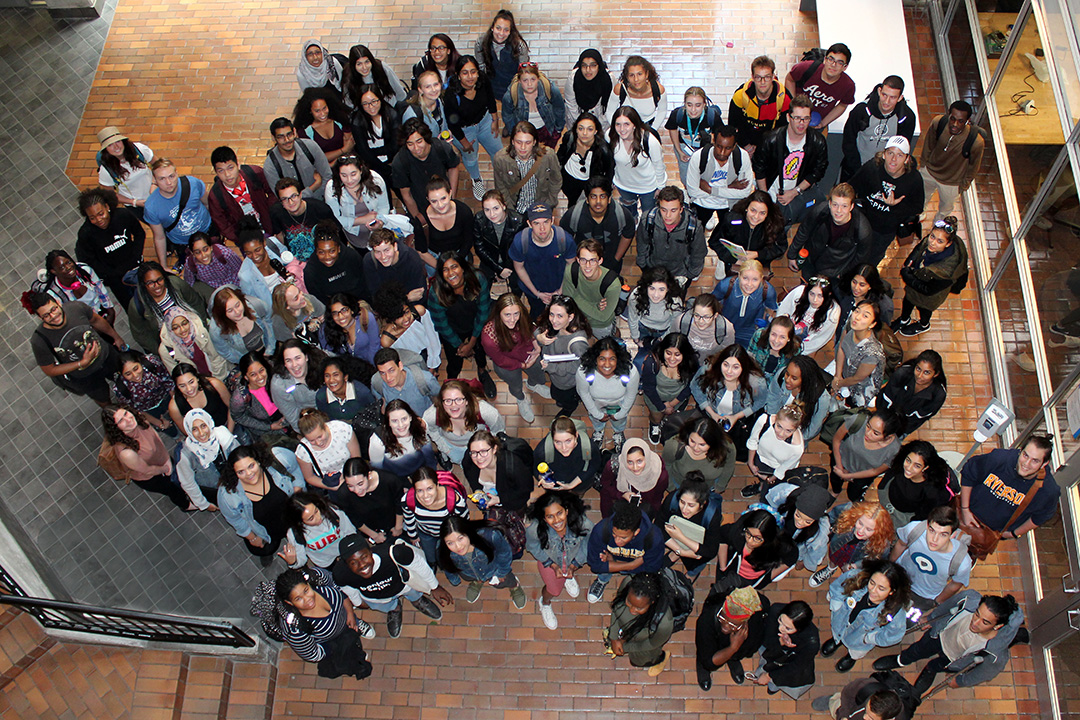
(131, 624)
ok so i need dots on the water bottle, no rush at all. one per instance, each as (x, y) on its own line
(803, 254)
(546, 475)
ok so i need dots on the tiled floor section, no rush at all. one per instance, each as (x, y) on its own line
(486, 658)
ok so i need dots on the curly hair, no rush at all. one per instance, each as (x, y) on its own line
(97, 196)
(391, 302)
(884, 530)
(302, 115)
(646, 585)
(367, 178)
(652, 275)
(258, 452)
(623, 362)
(113, 434)
(315, 357)
(677, 340)
(899, 585)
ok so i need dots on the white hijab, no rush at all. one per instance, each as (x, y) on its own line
(220, 438)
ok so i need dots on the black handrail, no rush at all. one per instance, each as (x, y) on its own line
(116, 622)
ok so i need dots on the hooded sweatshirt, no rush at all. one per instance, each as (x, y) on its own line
(868, 129)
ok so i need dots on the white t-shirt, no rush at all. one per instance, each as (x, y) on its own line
(138, 182)
(331, 459)
(789, 171)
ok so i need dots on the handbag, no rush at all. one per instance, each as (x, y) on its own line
(108, 461)
(984, 540)
(512, 526)
(674, 422)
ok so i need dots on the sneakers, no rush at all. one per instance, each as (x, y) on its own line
(914, 328)
(548, 616)
(821, 704)
(752, 490)
(618, 438)
(393, 621)
(473, 591)
(570, 585)
(654, 434)
(478, 189)
(1061, 330)
(428, 607)
(658, 668)
(366, 631)
(518, 596)
(821, 575)
(598, 436)
(525, 409)
(898, 323)
(596, 591)
(542, 390)
(487, 383)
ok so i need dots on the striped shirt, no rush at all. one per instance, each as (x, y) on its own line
(422, 520)
(306, 635)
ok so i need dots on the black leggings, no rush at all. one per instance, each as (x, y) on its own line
(454, 362)
(907, 307)
(165, 486)
(567, 400)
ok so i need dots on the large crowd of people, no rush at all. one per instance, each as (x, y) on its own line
(323, 336)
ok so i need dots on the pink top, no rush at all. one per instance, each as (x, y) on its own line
(151, 451)
(514, 359)
(264, 399)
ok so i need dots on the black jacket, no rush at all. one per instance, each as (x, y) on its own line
(913, 408)
(492, 249)
(789, 667)
(602, 163)
(901, 122)
(735, 229)
(833, 259)
(114, 251)
(513, 473)
(769, 158)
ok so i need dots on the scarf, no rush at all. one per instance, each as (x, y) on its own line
(193, 320)
(310, 76)
(588, 93)
(627, 481)
(220, 438)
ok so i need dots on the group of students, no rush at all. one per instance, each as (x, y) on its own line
(300, 374)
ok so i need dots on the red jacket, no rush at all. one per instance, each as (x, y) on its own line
(225, 211)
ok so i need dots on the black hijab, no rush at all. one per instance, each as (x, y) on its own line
(588, 93)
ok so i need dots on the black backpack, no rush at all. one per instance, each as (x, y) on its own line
(817, 57)
(680, 592)
(703, 159)
(976, 131)
(891, 680)
(277, 163)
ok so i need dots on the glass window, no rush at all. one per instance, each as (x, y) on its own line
(1063, 663)
(1025, 399)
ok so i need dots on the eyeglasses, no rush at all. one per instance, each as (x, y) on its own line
(453, 401)
(819, 281)
(703, 317)
(340, 312)
(159, 281)
(348, 159)
(285, 136)
(440, 48)
(480, 453)
(763, 78)
(290, 198)
(371, 103)
(588, 261)
(835, 61)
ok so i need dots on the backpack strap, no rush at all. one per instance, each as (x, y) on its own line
(185, 194)
(940, 127)
(276, 163)
(307, 152)
(975, 132)
(575, 273)
(703, 159)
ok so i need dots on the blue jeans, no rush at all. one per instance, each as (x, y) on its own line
(430, 545)
(385, 606)
(646, 338)
(630, 201)
(478, 134)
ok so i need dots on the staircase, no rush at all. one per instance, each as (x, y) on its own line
(41, 677)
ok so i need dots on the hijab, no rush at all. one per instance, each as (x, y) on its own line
(220, 442)
(310, 76)
(193, 320)
(589, 93)
(627, 481)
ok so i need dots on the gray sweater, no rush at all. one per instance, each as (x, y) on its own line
(602, 393)
(306, 168)
(561, 373)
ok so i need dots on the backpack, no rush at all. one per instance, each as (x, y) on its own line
(816, 56)
(703, 159)
(711, 118)
(714, 505)
(447, 480)
(964, 540)
(277, 163)
(526, 242)
(117, 180)
(621, 214)
(265, 606)
(680, 592)
(583, 442)
(605, 283)
(686, 318)
(894, 351)
(108, 461)
(691, 225)
(891, 680)
(655, 94)
(965, 150)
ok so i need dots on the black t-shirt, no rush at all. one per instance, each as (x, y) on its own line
(298, 231)
(409, 172)
(408, 271)
(385, 582)
(458, 238)
(346, 276)
(615, 225)
(378, 510)
(115, 250)
(68, 343)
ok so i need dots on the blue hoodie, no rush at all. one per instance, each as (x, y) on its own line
(648, 542)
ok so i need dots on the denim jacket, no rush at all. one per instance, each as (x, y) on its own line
(552, 109)
(867, 632)
(573, 549)
(741, 402)
(231, 346)
(812, 551)
(237, 509)
(477, 566)
(778, 393)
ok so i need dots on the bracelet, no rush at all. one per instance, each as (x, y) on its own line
(965, 507)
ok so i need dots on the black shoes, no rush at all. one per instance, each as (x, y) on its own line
(393, 621)
(737, 673)
(751, 491)
(845, 664)
(889, 662)
(487, 383)
(829, 648)
(704, 678)
(428, 607)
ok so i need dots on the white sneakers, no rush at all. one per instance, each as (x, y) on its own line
(542, 390)
(525, 409)
(548, 615)
(571, 587)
